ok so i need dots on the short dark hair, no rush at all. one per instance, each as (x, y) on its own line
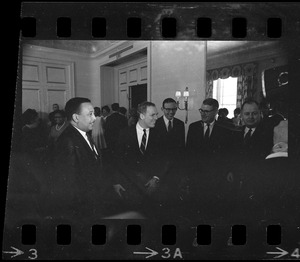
(168, 100)
(237, 110)
(73, 106)
(123, 110)
(115, 106)
(250, 101)
(211, 102)
(97, 111)
(106, 108)
(142, 107)
(29, 116)
(225, 110)
(61, 112)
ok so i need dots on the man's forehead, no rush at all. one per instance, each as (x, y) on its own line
(151, 109)
(170, 105)
(250, 107)
(206, 106)
(87, 106)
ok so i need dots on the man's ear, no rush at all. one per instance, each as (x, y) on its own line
(142, 116)
(75, 118)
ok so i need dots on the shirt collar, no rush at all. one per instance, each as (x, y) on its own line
(247, 129)
(210, 124)
(140, 128)
(83, 133)
(167, 120)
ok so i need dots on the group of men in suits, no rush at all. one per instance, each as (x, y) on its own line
(152, 166)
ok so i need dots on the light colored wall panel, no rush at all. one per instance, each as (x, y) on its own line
(143, 73)
(56, 75)
(30, 73)
(123, 77)
(31, 98)
(133, 75)
(56, 97)
(123, 99)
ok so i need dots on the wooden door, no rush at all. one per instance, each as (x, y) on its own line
(44, 84)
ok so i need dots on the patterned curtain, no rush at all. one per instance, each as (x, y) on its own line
(209, 86)
(246, 74)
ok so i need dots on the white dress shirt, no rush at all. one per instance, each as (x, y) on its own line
(86, 139)
(247, 129)
(211, 125)
(140, 133)
(167, 122)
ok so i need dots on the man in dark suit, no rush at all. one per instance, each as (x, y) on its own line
(171, 133)
(139, 168)
(255, 140)
(208, 145)
(78, 183)
(252, 143)
(113, 125)
(171, 129)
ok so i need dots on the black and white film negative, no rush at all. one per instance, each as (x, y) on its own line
(202, 163)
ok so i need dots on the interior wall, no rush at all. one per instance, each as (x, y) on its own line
(85, 75)
(176, 65)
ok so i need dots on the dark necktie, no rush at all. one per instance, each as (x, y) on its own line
(247, 136)
(91, 143)
(206, 136)
(143, 143)
(170, 126)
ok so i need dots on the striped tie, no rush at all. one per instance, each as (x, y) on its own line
(143, 143)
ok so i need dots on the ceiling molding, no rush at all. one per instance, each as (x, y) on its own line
(245, 55)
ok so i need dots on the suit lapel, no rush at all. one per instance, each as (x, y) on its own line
(83, 142)
(133, 138)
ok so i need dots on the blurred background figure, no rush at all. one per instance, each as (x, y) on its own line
(52, 122)
(114, 123)
(223, 119)
(132, 117)
(105, 112)
(34, 135)
(98, 130)
(123, 111)
(236, 120)
(56, 130)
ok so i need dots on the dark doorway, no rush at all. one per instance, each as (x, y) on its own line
(138, 94)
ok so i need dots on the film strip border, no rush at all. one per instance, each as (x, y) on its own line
(157, 21)
(133, 234)
(136, 240)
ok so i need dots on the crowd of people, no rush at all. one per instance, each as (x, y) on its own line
(99, 162)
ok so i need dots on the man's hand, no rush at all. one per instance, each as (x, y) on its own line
(118, 189)
(152, 185)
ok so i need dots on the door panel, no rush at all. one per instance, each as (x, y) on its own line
(131, 76)
(55, 96)
(44, 84)
(31, 99)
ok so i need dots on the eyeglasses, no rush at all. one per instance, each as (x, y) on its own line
(205, 111)
(170, 109)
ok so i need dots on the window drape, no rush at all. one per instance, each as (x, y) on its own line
(246, 85)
